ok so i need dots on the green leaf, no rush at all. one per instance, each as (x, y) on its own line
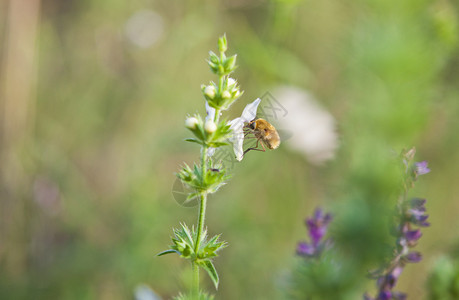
(217, 144)
(191, 196)
(230, 63)
(201, 296)
(186, 234)
(209, 267)
(168, 252)
(193, 141)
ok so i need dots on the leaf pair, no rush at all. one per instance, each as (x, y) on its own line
(184, 244)
(208, 182)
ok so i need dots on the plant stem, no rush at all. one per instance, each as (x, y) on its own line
(195, 282)
(202, 216)
(201, 219)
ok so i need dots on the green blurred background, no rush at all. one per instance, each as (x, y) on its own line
(93, 99)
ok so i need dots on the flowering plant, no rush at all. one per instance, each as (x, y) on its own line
(410, 213)
(206, 178)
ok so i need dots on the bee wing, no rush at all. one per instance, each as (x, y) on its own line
(285, 134)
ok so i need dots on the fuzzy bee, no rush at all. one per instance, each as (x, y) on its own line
(263, 131)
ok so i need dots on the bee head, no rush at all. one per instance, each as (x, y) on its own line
(252, 125)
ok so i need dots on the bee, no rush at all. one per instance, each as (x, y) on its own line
(264, 132)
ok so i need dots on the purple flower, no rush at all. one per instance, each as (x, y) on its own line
(305, 249)
(413, 257)
(416, 212)
(317, 228)
(412, 235)
(411, 213)
(384, 295)
(421, 168)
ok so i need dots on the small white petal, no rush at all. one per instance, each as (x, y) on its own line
(237, 138)
(210, 112)
(231, 81)
(250, 111)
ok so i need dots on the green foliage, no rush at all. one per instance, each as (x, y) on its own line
(327, 277)
(209, 182)
(103, 133)
(184, 244)
(201, 296)
(443, 283)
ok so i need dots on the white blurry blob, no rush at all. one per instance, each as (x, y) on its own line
(312, 127)
(144, 292)
(237, 125)
(144, 28)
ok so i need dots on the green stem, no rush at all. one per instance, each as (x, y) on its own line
(221, 79)
(201, 219)
(195, 283)
(217, 116)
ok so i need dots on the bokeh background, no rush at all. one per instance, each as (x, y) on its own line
(93, 100)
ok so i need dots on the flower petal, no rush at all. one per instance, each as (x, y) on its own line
(421, 168)
(305, 249)
(250, 111)
(210, 112)
(237, 138)
(413, 257)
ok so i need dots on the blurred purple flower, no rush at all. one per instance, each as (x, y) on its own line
(305, 249)
(413, 257)
(410, 213)
(317, 228)
(384, 295)
(416, 212)
(421, 168)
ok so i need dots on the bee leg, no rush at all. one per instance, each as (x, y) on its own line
(248, 131)
(255, 148)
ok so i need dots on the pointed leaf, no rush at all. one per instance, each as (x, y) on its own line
(187, 232)
(191, 196)
(209, 267)
(193, 141)
(168, 252)
(217, 144)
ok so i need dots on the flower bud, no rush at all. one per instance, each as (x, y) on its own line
(191, 123)
(209, 92)
(231, 81)
(222, 44)
(210, 126)
(226, 95)
(230, 64)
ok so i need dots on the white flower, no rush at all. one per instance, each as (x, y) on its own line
(191, 122)
(210, 126)
(237, 125)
